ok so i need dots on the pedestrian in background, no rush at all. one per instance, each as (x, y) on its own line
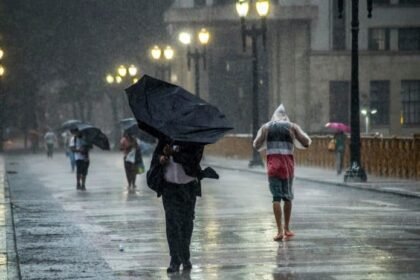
(279, 136)
(340, 146)
(68, 151)
(33, 136)
(130, 148)
(81, 154)
(50, 139)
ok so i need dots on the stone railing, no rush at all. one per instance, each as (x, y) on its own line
(381, 156)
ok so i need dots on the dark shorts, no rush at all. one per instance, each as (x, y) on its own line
(281, 189)
(82, 167)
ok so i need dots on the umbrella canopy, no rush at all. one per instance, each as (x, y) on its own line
(93, 136)
(168, 111)
(129, 125)
(338, 126)
(70, 124)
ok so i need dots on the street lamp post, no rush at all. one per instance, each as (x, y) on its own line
(367, 113)
(114, 107)
(355, 173)
(254, 32)
(196, 55)
(123, 72)
(163, 64)
(2, 102)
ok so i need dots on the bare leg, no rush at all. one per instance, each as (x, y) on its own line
(134, 178)
(277, 216)
(287, 208)
(133, 173)
(127, 173)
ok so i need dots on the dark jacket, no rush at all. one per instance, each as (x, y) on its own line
(189, 156)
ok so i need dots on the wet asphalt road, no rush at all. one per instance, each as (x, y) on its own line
(340, 233)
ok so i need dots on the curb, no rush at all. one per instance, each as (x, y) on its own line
(360, 187)
(9, 268)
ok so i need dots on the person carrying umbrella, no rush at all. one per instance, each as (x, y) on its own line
(339, 143)
(280, 135)
(80, 148)
(340, 146)
(180, 185)
(183, 124)
(130, 148)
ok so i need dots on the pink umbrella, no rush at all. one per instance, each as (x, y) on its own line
(338, 126)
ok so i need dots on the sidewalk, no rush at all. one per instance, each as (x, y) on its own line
(397, 186)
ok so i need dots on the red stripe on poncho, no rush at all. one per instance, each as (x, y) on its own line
(280, 166)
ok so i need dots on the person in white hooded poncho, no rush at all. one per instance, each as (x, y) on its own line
(279, 136)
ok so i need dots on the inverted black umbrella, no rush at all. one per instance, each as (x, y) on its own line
(70, 124)
(168, 111)
(93, 136)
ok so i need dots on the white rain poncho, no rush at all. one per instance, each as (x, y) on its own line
(260, 142)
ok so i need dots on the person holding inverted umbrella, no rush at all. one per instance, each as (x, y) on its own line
(84, 136)
(183, 124)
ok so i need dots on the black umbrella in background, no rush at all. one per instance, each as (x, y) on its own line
(93, 136)
(168, 111)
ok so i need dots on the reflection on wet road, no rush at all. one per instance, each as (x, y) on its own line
(340, 233)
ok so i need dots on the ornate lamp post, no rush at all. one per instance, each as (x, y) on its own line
(110, 79)
(254, 32)
(355, 173)
(123, 72)
(163, 64)
(196, 55)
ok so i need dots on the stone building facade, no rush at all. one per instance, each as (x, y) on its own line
(306, 63)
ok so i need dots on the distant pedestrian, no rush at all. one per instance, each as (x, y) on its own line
(340, 147)
(33, 136)
(67, 136)
(81, 154)
(280, 135)
(175, 173)
(50, 139)
(132, 156)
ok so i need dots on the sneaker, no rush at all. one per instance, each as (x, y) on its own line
(78, 187)
(83, 188)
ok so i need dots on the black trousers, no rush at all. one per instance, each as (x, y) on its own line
(179, 204)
